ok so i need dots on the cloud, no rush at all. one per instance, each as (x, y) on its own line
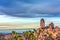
(30, 8)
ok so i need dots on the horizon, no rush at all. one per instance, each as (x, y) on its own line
(22, 25)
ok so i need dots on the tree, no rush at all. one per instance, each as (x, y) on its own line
(32, 37)
(20, 37)
(38, 33)
(26, 35)
(29, 35)
(49, 37)
(16, 36)
(58, 37)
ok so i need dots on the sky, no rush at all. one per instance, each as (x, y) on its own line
(29, 11)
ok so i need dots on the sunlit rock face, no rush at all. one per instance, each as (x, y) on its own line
(42, 23)
(51, 25)
(47, 31)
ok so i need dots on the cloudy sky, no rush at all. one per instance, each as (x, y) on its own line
(29, 11)
(30, 8)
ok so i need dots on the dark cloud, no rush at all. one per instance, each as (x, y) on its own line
(30, 8)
